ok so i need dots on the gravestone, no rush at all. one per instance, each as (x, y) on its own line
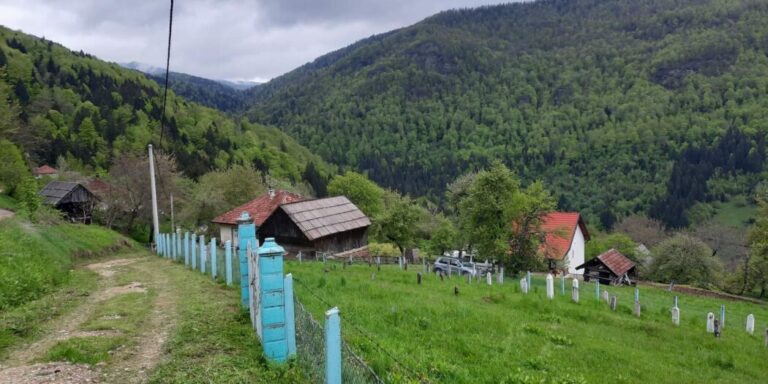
(675, 302)
(528, 278)
(717, 328)
(500, 276)
(613, 303)
(722, 316)
(606, 296)
(562, 284)
(675, 315)
(575, 290)
(710, 322)
(455, 290)
(597, 289)
(550, 286)
(524, 285)
(418, 278)
(488, 278)
(751, 324)
(373, 276)
(636, 310)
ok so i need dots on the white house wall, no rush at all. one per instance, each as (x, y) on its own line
(576, 254)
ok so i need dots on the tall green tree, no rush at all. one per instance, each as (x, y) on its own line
(397, 223)
(368, 196)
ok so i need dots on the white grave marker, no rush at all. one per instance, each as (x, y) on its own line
(575, 290)
(675, 315)
(488, 278)
(606, 296)
(710, 322)
(524, 285)
(751, 324)
(550, 286)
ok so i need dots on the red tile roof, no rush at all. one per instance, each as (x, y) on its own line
(44, 170)
(560, 227)
(259, 208)
(616, 262)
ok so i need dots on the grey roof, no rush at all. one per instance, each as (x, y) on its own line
(57, 192)
(323, 217)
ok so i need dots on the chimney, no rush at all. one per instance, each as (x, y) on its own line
(271, 193)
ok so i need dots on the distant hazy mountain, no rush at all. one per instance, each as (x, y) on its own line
(225, 95)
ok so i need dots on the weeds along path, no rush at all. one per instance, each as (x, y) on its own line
(124, 324)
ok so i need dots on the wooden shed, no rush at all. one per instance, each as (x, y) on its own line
(610, 267)
(332, 225)
(75, 200)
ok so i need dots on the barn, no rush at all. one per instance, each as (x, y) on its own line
(564, 240)
(259, 209)
(75, 200)
(331, 225)
(610, 267)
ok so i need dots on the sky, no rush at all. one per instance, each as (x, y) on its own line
(220, 39)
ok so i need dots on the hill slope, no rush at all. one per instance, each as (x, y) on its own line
(59, 103)
(610, 102)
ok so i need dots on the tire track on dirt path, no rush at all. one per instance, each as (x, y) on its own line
(134, 364)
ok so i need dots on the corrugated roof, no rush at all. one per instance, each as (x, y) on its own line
(259, 208)
(560, 227)
(55, 191)
(616, 262)
(323, 217)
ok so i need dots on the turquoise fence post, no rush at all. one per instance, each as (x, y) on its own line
(722, 316)
(173, 245)
(159, 244)
(290, 317)
(178, 245)
(193, 251)
(270, 318)
(562, 284)
(637, 294)
(332, 346)
(167, 243)
(228, 261)
(246, 232)
(203, 245)
(186, 248)
(213, 257)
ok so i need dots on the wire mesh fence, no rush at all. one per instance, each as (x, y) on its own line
(310, 351)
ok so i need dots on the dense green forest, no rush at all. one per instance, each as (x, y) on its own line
(58, 105)
(204, 91)
(620, 106)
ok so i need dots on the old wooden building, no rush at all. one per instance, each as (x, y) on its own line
(331, 225)
(610, 267)
(75, 200)
(259, 209)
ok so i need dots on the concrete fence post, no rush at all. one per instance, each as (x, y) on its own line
(228, 261)
(178, 245)
(173, 245)
(159, 245)
(167, 242)
(186, 248)
(270, 318)
(246, 232)
(203, 256)
(332, 346)
(290, 316)
(193, 251)
(213, 258)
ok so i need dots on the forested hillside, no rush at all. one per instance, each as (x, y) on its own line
(58, 104)
(619, 106)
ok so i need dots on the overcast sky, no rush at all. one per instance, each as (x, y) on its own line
(223, 39)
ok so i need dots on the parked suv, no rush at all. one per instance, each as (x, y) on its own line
(453, 265)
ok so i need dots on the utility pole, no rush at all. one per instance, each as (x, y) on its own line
(155, 220)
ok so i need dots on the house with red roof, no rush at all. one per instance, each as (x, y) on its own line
(259, 209)
(564, 241)
(45, 170)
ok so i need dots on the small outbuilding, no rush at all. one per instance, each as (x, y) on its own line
(75, 200)
(259, 209)
(332, 225)
(610, 267)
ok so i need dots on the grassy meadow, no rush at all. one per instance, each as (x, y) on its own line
(495, 334)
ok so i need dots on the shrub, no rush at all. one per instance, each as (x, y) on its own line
(685, 260)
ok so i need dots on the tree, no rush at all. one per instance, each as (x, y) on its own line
(444, 238)
(642, 230)
(756, 270)
(13, 169)
(619, 241)
(527, 234)
(397, 223)
(685, 260)
(364, 193)
(317, 181)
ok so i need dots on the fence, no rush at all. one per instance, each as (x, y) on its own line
(284, 327)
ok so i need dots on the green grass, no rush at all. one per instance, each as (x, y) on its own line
(28, 320)
(7, 202)
(124, 313)
(497, 334)
(34, 260)
(213, 341)
(735, 214)
(87, 350)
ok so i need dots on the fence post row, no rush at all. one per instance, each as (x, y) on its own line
(246, 233)
(193, 251)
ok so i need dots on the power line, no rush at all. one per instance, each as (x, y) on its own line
(167, 71)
